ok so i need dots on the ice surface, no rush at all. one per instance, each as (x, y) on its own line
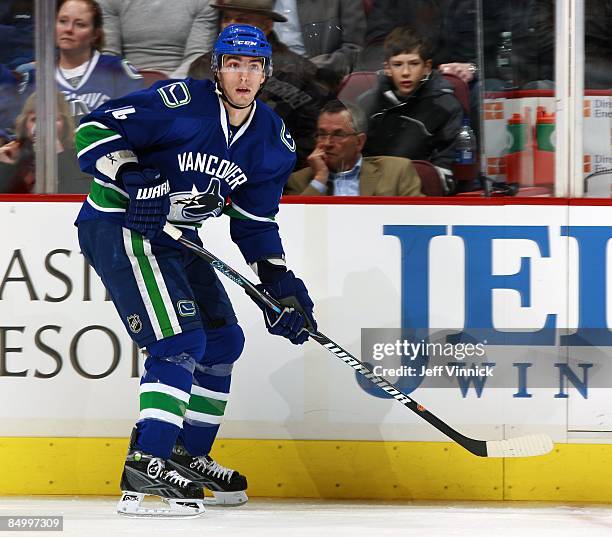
(93, 517)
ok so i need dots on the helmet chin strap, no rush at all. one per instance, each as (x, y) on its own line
(221, 93)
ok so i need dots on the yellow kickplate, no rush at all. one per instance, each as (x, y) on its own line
(571, 472)
(326, 469)
(274, 468)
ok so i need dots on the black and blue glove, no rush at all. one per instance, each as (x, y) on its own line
(296, 319)
(149, 201)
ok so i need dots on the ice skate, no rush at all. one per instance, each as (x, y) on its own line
(145, 475)
(227, 486)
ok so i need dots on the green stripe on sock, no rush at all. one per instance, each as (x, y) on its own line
(107, 197)
(162, 401)
(206, 405)
(90, 135)
(151, 284)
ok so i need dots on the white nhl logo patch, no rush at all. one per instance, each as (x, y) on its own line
(134, 323)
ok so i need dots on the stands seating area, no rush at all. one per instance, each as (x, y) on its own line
(515, 113)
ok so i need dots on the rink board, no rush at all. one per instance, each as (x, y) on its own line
(327, 469)
(69, 374)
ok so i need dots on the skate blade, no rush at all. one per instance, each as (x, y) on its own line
(130, 505)
(227, 499)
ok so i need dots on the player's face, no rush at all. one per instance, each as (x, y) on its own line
(339, 140)
(241, 78)
(74, 27)
(407, 71)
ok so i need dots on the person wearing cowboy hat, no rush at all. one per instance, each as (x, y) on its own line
(265, 8)
(328, 32)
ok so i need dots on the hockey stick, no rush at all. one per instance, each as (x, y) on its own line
(523, 446)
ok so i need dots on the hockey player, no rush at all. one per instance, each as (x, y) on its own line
(186, 151)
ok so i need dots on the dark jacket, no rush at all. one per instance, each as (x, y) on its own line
(293, 92)
(423, 126)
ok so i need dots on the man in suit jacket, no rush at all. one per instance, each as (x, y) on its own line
(336, 166)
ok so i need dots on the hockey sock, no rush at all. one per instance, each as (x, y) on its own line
(210, 389)
(165, 390)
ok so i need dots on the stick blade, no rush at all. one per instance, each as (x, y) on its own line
(524, 446)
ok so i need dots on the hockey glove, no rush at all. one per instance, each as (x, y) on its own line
(149, 201)
(296, 319)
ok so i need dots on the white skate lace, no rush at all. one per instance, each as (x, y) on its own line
(213, 468)
(174, 477)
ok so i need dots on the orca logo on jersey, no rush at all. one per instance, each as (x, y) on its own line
(200, 206)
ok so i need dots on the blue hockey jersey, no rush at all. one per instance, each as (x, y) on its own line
(181, 128)
(106, 77)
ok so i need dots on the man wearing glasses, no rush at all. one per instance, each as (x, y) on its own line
(336, 166)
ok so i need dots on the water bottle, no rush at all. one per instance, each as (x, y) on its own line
(504, 59)
(466, 144)
(544, 150)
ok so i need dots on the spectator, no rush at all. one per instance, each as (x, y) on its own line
(413, 113)
(450, 27)
(292, 90)
(159, 36)
(328, 32)
(336, 166)
(85, 77)
(17, 157)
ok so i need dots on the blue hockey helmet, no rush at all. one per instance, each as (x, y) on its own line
(242, 40)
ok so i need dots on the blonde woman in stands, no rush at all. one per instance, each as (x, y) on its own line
(86, 77)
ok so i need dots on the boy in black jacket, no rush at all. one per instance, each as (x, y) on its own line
(413, 113)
